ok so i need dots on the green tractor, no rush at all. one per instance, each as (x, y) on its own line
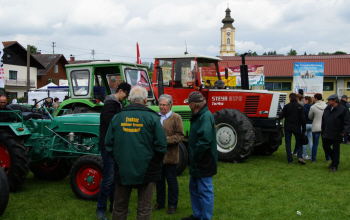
(55, 145)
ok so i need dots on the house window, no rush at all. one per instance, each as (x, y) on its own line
(56, 68)
(348, 86)
(228, 41)
(328, 86)
(278, 86)
(13, 74)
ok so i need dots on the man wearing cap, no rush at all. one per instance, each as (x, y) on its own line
(335, 124)
(202, 158)
(344, 101)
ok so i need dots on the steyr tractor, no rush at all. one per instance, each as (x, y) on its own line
(246, 120)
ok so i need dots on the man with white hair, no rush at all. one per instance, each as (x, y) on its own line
(137, 141)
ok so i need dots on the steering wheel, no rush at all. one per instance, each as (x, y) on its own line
(42, 104)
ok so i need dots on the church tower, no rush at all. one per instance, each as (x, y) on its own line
(227, 47)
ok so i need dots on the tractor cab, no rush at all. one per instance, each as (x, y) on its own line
(89, 83)
(183, 74)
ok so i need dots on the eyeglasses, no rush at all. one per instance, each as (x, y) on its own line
(163, 104)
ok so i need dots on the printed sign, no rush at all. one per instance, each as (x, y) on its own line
(308, 76)
(255, 74)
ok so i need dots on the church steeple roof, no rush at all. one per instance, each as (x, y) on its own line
(227, 21)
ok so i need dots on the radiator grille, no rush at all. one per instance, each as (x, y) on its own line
(251, 105)
(185, 115)
(281, 102)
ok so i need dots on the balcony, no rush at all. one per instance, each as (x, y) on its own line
(21, 83)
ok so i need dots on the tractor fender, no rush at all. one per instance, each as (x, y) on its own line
(18, 128)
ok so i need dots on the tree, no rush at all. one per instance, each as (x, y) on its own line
(33, 49)
(292, 52)
(339, 53)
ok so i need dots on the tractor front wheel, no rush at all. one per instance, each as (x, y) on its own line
(55, 169)
(4, 191)
(86, 176)
(235, 135)
(14, 160)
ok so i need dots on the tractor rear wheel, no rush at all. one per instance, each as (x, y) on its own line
(86, 176)
(235, 135)
(4, 191)
(14, 160)
(55, 169)
(273, 142)
(183, 159)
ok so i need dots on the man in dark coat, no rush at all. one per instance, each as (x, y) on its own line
(294, 123)
(335, 124)
(203, 157)
(138, 143)
(112, 105)
(344, 101)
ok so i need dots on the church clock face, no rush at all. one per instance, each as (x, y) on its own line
(228, 34)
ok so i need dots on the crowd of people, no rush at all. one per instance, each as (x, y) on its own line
(308, 119)
(140, 151)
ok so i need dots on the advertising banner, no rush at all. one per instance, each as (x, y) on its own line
(255, 74)
(2, 73)
(308, 76)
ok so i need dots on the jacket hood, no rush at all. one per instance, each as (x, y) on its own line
(321, 105)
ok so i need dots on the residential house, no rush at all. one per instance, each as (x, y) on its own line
(54, 69)
(15, 69)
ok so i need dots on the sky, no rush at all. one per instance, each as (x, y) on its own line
(112, 27)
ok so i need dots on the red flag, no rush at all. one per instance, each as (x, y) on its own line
(138, 59)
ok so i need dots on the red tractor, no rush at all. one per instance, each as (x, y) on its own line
(246, 120)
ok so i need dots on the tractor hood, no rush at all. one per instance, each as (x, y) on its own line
(83, 122)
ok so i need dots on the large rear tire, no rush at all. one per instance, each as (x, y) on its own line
(274, 140)
(86, 176)
(14, 160)
(183, 159)
(55, 169)
(4, 191)
(235, 135)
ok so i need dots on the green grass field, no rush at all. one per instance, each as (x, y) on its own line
(260, 188)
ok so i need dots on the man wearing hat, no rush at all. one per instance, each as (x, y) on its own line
(202, 158)
(344, 101)
(335, 124)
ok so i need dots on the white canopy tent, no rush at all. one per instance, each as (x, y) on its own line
(46, 91)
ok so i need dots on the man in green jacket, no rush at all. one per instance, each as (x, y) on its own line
(203, 158)
(138, 143)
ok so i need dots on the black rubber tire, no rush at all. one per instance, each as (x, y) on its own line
(55, 169)
(18, 169)
(86, 170)
(274, 140)
(240, 123)
(4, 191)
(183, 159)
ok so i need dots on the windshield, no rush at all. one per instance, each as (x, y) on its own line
(138, 77)
(80, 81)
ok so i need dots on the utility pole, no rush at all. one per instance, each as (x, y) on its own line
(28, 69)
(93, 54)
(53, 47)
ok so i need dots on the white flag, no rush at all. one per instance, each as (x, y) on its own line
(2, 74)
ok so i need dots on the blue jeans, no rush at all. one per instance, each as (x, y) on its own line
(315, 141)
(308, 134)
(298, 146)
(169, 174)
(107, 183)
(202, 197)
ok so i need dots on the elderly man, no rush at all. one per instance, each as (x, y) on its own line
(203, 158)
(5, 116)
(112, 105)
(335, 124)
(138, 143)
(172, 125)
